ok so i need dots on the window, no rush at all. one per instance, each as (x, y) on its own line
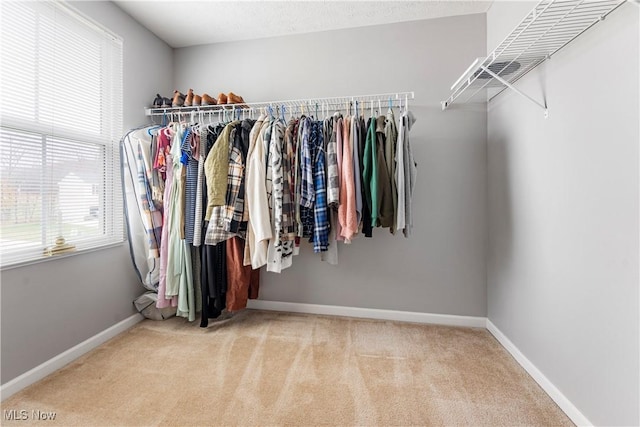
(60, 125)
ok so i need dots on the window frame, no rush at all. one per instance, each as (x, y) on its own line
(111, 220)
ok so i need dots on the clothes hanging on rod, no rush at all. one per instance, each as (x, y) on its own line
(143, 215)
(224, 198)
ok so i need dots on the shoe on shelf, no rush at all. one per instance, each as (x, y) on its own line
(222, 98)
(178, 99)
(166, 103)
(197, 100)
(236, 99)
(157, 103)
(207, 100)
(188, 100)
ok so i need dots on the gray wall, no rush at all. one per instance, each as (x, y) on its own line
(51, 306)
(563, 210)
(441, 269)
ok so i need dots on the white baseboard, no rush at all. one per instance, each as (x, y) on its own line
(370, 313)
(561, 400)
(59, 361)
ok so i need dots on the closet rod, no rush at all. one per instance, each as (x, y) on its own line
(383, 100)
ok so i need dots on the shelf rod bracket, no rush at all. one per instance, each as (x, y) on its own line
(516, 90)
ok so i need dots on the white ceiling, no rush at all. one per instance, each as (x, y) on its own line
(187, 23)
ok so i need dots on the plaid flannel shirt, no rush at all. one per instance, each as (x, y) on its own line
(234, 207)
(320, 212)
(288, 163)
(307, 190)
(333, 180)
(307, 185)
(297, 177)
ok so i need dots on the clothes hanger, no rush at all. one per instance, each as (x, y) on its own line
(198, 125)
(152, 128)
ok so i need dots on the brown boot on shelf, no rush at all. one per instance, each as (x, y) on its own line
(178, 99)
(197, 100)
(235, 99)
(188, 101)
(222, 98)
(207, 100)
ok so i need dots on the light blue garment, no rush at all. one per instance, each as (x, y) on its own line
(179, 268)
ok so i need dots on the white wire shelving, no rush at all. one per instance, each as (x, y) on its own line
(305, 106)
(550, 26)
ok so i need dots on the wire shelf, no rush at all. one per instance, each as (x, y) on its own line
(550, 26)
(376, 101)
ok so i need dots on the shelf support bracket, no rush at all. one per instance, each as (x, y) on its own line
(516, 90)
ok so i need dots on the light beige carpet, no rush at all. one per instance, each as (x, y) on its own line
(266, 368)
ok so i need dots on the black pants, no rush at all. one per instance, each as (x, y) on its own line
(214, 280)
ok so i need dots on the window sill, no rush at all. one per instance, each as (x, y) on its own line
(61, 256)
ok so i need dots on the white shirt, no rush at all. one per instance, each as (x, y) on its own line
(259, 227)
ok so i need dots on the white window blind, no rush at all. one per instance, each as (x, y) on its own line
(60, 125)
